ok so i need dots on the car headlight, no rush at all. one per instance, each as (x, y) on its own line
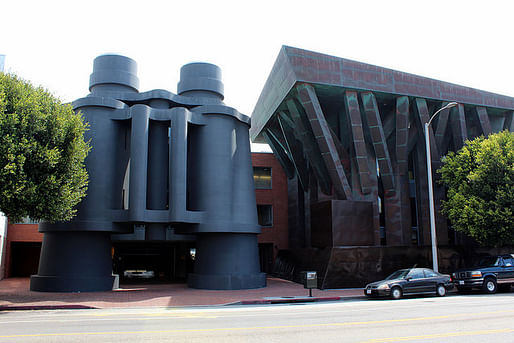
(476, 273)
(383, 286)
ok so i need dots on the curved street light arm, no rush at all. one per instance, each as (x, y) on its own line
(448, 105)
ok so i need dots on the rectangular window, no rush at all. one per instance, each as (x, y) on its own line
(262, 177)
(265, 215)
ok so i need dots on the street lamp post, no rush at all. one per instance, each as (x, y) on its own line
(430, 186)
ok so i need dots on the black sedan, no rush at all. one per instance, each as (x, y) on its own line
(410, 281)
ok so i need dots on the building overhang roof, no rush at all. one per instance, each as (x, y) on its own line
(295, 65)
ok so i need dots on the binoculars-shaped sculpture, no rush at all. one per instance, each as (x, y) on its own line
(161, 160)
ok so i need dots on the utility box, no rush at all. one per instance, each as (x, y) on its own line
(310, 279)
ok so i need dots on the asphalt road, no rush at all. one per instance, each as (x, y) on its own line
(469, 318)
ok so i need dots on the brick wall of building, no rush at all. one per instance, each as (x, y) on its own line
(19, 233)
(277, 197)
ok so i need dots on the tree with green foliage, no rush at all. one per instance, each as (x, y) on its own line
(480, 181)
(42, 152)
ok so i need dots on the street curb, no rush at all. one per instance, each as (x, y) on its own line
(286, 300)
(268, 301)
(45, 307)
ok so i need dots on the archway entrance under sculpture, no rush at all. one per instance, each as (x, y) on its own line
(153, 261)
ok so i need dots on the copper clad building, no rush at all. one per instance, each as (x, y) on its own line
(350, 138)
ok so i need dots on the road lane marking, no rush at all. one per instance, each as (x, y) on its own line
(404, 320)
(438, 335)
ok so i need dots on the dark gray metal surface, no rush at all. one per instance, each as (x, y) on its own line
(160, 160)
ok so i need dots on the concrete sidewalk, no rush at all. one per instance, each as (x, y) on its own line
(15, 295)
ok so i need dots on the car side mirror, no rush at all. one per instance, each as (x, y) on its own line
(408, 279)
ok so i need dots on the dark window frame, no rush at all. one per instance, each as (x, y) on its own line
(268, 223)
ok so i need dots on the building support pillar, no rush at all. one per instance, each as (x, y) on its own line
(351, 102)
(326, 145)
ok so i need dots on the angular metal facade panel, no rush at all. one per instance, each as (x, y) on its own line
(378, 138)
(323, 135)
(483, 118)
(353, 113)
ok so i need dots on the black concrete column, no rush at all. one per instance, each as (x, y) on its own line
(157, 176)
(227, 261)
(74, 262)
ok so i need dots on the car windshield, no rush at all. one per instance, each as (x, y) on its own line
(399, 274)
(489, 261)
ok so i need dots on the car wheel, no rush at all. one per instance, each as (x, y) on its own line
(489, 285)
(440, 291)
(396, 292)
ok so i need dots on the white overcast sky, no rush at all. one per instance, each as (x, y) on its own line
(53, 43)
